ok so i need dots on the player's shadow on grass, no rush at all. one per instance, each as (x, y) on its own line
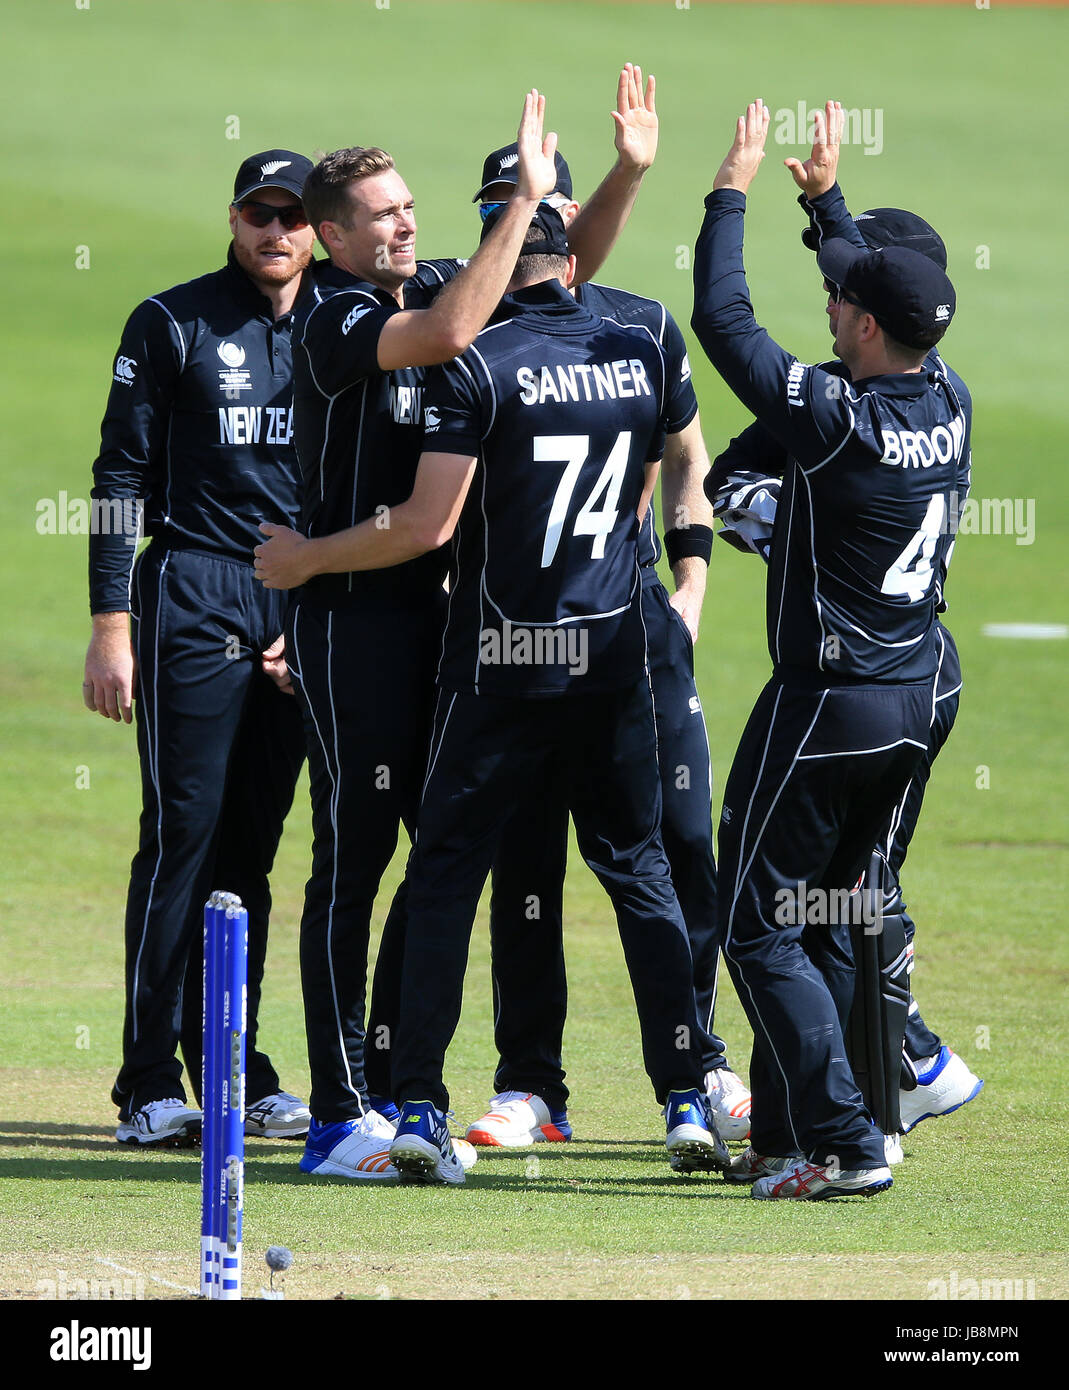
(21, 1134)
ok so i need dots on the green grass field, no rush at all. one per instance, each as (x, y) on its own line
(116, 119)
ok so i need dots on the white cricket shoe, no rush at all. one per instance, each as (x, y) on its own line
(280, 1116)
(517, 1119)
(892, 1150)
(944, 1084)
(730, 1102)
(809, 1182)
(357, 1149)
(467, 1153)
(168, 1123)
(749, 1166)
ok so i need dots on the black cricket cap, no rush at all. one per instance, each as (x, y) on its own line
(908, 295)
(883, 227)
(272, 169)
(502, 165)
(548, 221)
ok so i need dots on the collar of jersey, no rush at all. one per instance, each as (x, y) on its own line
(547, 305)
(896, 383)
(333, 277)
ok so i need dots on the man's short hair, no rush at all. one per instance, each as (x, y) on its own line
(326, 188)
(538, 267)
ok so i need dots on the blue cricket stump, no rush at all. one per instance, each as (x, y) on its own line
(226, 949)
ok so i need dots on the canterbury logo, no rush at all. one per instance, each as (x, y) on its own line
(942, 313)
(275, 165)
(508, 162)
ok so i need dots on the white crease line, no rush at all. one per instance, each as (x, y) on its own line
(134, 1274)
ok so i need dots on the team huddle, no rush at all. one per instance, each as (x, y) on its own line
(402, 524)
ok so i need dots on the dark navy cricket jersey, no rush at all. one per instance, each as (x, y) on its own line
(681, 403)
(865, 516)
(562, 409)
(197, 427)
(359, 429)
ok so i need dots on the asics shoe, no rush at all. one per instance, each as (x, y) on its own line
(422, 1149)
(517, 1119)
(944, 1084)
(358, 1149)
(692, 1136)
(809, 1182)
(280, 1116)
(169, 1123)
(730, 1103)
(749, 1166)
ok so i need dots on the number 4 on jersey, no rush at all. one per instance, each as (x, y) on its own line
(572, 450)
(911, 574)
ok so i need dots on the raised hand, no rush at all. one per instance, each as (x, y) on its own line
(536, 170)
(747, 150)
(817, 174)
(636, 119)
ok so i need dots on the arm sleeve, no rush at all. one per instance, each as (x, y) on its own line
(455, 413)
(341, 339)
(801, 406)
(680, 401)
(830, 217)
(133, 439)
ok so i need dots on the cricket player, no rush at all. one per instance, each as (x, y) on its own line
(198, 433)
(860, 536)
(528, 971)
(540, 453)
(364, 645)
(939, 1081)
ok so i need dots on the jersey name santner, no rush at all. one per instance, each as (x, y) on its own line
(562, 410)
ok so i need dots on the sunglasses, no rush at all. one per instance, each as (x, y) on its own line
(833, 291)
(555, 200)
(292, 216)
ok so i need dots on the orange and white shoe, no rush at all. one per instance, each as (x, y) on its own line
(517, 1119)
(809, 1182)
(730, 1102)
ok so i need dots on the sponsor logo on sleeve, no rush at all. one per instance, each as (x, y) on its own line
(431, 419)
(353, 317)
(684, 371)
(124, 370)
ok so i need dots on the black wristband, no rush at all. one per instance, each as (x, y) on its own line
(684, 541)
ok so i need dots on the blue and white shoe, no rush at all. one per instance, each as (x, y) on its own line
(693, 1142)
(358, 1149)
(422, 1150)
(944, 1084)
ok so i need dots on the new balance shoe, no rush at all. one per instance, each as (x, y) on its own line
(730, 1102)
(168, 1124)
(944, 1084)
(280, 1116)
(422, 1149)
(517, 1119)
(749, 1166)
(357, 1149)
(892, 1150)
(693, 1142)
(809, 1182)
